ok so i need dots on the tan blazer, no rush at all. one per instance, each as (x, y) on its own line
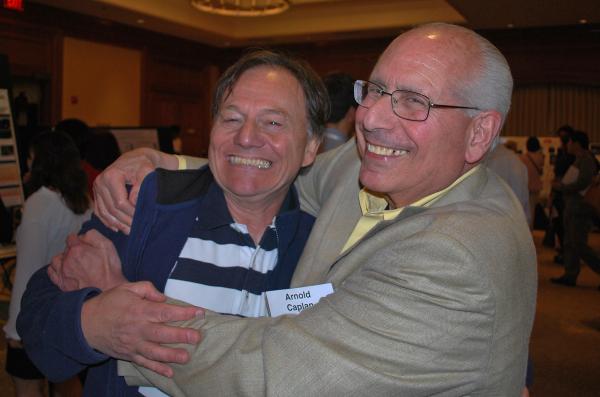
(438, 302)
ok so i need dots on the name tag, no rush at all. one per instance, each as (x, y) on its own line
(294, 300)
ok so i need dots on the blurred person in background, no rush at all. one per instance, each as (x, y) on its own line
(504, 161)
(340, 125)
(579, 214)
(57, 207)
(562, 162)
(80, 133)
(533, 159)
(101, 149)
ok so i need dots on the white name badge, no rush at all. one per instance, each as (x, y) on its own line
(294, 300)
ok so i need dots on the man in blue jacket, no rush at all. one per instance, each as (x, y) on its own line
(217, 237)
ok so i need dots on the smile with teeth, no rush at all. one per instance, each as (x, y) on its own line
(258, 163)
(385, 151)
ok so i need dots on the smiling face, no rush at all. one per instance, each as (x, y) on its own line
(408, 160)
(259, 139)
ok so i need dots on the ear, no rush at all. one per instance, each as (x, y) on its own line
(484, 128)
(310, 151)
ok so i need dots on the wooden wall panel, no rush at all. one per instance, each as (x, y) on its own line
(33, 53)
(180, 94)
(186, 112)
(569, 55)
(28, 55)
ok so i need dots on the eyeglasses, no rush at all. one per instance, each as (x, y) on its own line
(405, 104)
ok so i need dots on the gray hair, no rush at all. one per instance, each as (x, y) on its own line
(315, 93)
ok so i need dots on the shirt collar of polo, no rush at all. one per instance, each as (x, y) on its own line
(216, 214)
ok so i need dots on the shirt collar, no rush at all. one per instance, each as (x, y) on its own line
(373, 205)
(214, 211)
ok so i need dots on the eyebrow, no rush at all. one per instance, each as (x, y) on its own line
(403, 88)
(267, 111)
(273, 111)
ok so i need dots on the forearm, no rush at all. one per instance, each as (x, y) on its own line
(49, 325)
(159, 159)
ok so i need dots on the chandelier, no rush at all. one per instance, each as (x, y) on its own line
(242, 8)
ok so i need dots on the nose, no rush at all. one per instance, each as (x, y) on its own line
(378, 116)
(249, 135)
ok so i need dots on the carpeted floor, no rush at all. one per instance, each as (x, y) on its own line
(565, 344)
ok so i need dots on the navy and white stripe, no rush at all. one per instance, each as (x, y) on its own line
(226, 274)
(223, 270)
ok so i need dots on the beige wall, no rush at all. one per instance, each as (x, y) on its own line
(101, 83)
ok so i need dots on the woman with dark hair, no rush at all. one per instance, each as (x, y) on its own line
(58, 206)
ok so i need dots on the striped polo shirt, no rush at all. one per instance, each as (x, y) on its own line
(220, 268)
(223, 270)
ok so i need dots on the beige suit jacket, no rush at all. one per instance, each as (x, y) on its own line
(439, 302)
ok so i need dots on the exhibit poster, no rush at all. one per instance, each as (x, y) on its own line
(10, 178)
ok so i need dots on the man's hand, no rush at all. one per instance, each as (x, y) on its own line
(90, 260)
(127, 322)
(111, 203)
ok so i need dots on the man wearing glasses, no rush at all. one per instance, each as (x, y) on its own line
(430, 255)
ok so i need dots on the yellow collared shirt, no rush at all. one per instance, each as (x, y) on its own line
(374, 210)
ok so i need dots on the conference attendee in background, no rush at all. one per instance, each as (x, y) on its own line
(430, 256)
(562, 161)
(340, 125)
(80, 133)
(58, 206)
(533, 159)
(505, 162)
(218, 237)
(579, 214)
(101, 149)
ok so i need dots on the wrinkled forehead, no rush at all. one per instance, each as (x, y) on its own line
(421, 57)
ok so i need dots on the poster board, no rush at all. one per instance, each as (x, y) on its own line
(11, 188)
(130, 138)
(160, 138)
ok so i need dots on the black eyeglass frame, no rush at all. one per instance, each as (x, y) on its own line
(362, 83)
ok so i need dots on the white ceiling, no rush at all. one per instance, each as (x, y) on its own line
(309, 20)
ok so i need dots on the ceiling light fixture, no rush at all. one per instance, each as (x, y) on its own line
(242, 8)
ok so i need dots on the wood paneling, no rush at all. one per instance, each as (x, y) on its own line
(180, 94)
(569, 55)
(34, 40)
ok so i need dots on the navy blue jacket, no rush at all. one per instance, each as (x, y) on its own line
(169, 201)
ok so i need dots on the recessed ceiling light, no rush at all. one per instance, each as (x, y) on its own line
(140, 21)
(583, 21)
